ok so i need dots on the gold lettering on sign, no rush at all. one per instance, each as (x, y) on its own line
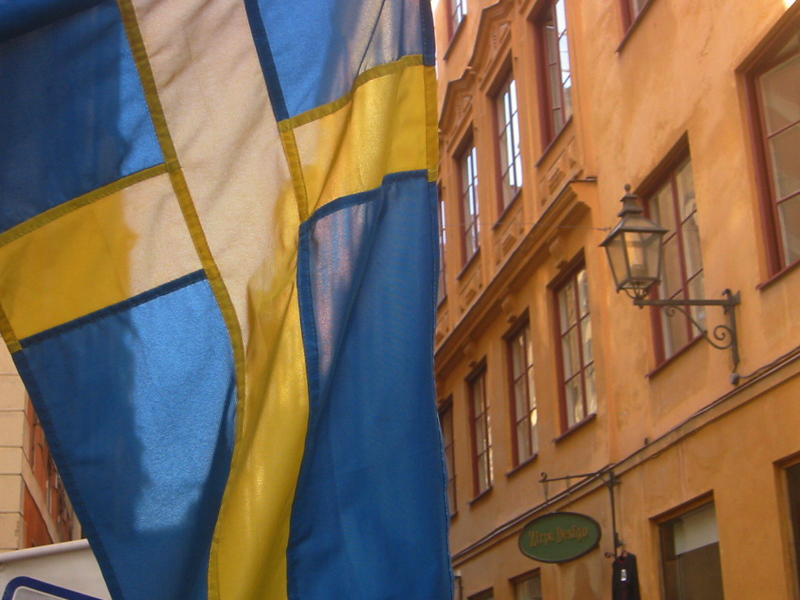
(559, 536)
(573, 533)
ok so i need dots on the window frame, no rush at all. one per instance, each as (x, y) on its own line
(522, 327)
(666, 175)
(765, 60)
(468, 150)
(501, 127)
(629, 13)
(487, 594)
(533, 573)
(663, 522)
(478, 375)
(544, 62)
(570, 274)
(445, 408)
(442, 291)
(456, 7)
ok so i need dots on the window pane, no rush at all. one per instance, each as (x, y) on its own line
(586, 338)
(793, 486)
(786, 161)
(676, 334)
(583, 292)
(691, 247)
(574, 401)
(520, 400)
(518, 356)
(686, 195)
(780, 89)
(697, 290)
(483, 475)
(692, 569)
(529, 589)
(523, 441)
(789, 215)
(672, 277)
(570, 350)
(663, 204)
(591, 392)
(637, 6)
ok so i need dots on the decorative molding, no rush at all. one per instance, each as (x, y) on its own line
(508, 306)
(557, 251)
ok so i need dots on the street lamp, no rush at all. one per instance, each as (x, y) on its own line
(635, 249)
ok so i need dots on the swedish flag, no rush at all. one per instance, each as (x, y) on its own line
(217, 280)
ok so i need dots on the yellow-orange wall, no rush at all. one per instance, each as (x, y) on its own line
(674, 434)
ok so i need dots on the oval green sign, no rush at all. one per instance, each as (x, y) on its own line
(559, 537)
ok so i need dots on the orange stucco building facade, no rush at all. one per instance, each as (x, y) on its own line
(548, 108)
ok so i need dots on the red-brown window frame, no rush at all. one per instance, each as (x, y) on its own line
(667, 173)
(521, 327)
(543, 64)
(452, 6)
(499, 128)
(445, 408)
(762, 61)
(479, 375)
(570, 273)
(468, 147)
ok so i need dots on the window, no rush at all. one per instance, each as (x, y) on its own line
(674, 207)
(555, 72)
(485, 595)
(529, 588)
(446, 421)
(775, 89)
(458, 10)
(442, 245)
(579, 398)
(631, 10)
(523, 395)
(481, 432)
(793, 487)
(468, 167)
(690, 556)
(508, 141)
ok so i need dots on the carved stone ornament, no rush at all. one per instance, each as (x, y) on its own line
(507, 305)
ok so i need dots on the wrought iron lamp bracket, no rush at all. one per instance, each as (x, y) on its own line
(725, 335)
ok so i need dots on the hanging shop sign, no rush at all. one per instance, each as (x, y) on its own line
(559, 537)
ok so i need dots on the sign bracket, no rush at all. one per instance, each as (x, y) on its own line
(609, 479)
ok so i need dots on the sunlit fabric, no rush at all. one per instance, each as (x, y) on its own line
(74, 113)
(217, 258)
(155, 420)
(372, 451)
(312, 50)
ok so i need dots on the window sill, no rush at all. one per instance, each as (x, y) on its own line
(484, 494)
(779, 275)
(634, 25)
(553, 143)
(575, 427)
(663, 365)
(468, 264)
(522, 465)
(506, 210)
